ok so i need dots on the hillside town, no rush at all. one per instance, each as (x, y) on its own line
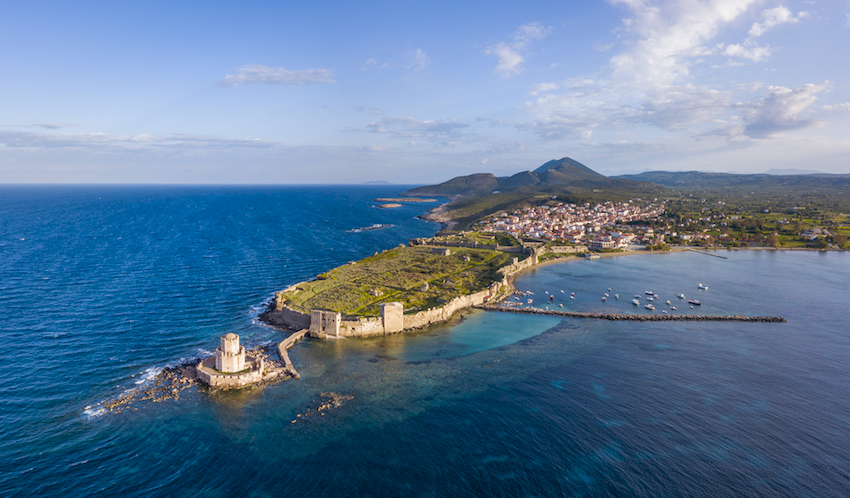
(607, 225)
(624, 225)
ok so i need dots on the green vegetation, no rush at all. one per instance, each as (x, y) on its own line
(398, 275)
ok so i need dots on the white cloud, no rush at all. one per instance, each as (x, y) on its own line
(780, 110)
(774, 17)
(842, 108)
(510, 59)
(53, 126)
(373, 63)
(748, 51)
(420, 61)
(277, 76)
(542, 87)
(106, 142)
(437, 131)
(671, 35)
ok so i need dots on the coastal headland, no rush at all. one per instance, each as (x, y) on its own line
(404, 288)
(426, 282)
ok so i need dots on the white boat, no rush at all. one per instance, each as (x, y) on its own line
(649, 307)
(703, 287)
(560, 305)
(681, 296)
(603, 299)
(616, 296)
(673, 308)
(635, 302)
(606, 294)
(609, 289)
(573, 298)
(650, 298)
(668, 302)
(530, 301)
(562, 292)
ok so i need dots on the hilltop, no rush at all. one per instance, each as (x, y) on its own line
(566, 179)
(564, 175)
(819, 190)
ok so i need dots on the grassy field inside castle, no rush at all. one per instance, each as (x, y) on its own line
(398, 275)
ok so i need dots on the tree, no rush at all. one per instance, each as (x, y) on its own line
(772, 240)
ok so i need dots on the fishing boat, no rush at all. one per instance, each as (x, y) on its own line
(695, 302)
(603, 299)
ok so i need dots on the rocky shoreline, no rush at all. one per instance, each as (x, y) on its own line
(171, 380)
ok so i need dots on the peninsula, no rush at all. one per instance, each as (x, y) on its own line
(561, 209)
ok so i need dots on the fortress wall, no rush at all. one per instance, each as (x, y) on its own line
(207, 375)
(361, 327)
(566, 249)
(289, 318)
(510, 249)
(519, 266)
(443, 313)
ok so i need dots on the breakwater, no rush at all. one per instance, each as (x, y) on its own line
(284, 356)
(636, 318)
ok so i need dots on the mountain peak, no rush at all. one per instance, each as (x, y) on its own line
(569, 167)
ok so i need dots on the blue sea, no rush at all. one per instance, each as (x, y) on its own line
(103, 286)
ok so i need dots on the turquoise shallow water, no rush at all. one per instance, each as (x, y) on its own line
(102, 286)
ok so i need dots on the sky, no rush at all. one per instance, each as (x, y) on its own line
(417, 92)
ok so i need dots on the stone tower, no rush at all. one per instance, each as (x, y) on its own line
(230, 356)
(392, 316)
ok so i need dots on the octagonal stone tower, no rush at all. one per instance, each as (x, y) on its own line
(230, 356)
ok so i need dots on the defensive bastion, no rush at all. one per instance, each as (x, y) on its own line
(402, 289)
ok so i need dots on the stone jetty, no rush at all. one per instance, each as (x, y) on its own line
(284, 356)
(636, 318)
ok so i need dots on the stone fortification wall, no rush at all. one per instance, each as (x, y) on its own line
(361, 326)
(517, 265)
(207, 374)
(514, 249)
(443, 313)
(565, 249)
(470, 245)
(287, 317)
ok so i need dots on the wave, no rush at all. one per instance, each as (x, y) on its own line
(148, 375)
(375, 226)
